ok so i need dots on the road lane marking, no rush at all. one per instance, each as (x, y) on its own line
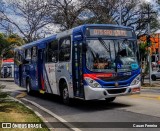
(54, 115)
(37, 113)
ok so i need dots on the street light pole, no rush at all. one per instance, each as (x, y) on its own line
(149, 48)
(149, 58)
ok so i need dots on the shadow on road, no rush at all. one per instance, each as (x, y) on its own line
(81, 104)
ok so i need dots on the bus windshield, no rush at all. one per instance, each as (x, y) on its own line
(111, 55)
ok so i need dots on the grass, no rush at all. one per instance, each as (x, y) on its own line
(13, 111)
(3, 94)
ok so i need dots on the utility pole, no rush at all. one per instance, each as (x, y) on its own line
(149, 44)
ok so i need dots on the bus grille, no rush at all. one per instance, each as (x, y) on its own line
(116, 91)
(124, 84)
(116, 78)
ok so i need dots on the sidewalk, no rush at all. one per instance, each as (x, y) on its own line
(155, 85)
(19, 94)
(7, 79)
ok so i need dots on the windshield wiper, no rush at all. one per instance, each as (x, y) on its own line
(104, 44)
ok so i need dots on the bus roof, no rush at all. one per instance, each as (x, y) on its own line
(79, 28)
(34, 43)
(105, 25)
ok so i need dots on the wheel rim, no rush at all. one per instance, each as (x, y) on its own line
(65, 94)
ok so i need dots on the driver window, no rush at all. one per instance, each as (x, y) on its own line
(126, 49)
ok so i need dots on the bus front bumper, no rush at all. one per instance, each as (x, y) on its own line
(102, 93)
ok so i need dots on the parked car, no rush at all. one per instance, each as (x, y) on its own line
(155, 75)
(154, 64)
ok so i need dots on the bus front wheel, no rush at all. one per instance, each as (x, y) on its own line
(111, 99)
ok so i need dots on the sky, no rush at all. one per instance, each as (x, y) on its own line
(56, 29)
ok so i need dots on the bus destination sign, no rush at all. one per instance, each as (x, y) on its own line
(109, 32)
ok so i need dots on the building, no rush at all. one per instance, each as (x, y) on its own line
(7, 68)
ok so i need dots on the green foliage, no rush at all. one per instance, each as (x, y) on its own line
(3, 42)
(142, 50)
(3, 94)
(8, 43)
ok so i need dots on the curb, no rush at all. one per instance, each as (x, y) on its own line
(67, 124)
(7, 80)
(155, 88)
(39, 115)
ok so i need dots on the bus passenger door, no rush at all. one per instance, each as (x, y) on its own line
(40, 70)
(33, 69)
(50, 67)
(77, 64)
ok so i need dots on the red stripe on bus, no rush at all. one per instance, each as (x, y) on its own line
(42, 82)
(95, 76)
(8, 60)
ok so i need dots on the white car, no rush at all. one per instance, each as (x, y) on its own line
(155, 75)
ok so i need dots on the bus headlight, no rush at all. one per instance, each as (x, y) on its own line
(136, 80)
(92, 82)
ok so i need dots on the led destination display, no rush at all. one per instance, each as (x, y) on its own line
(109, 32)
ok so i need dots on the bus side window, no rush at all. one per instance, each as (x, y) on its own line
(64, 49)
(34, 53)
(28, 54)
(52, 52)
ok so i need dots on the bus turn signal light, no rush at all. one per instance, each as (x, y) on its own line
(136, 89)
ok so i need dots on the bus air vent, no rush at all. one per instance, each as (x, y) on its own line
(116, 91)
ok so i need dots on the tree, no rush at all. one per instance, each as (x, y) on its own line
(7, 45)
(143, 56)
(14, 41)
(148, 15)
(101, 10)
(32, 17)
(132, 14)
(3, 44)
(66, 12)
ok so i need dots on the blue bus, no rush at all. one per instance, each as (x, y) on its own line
(89, 62)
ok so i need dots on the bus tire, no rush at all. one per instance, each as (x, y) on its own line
(65, 94)
(111, 99)
(28, 87)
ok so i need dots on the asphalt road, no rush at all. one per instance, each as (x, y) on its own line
(136, 108)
